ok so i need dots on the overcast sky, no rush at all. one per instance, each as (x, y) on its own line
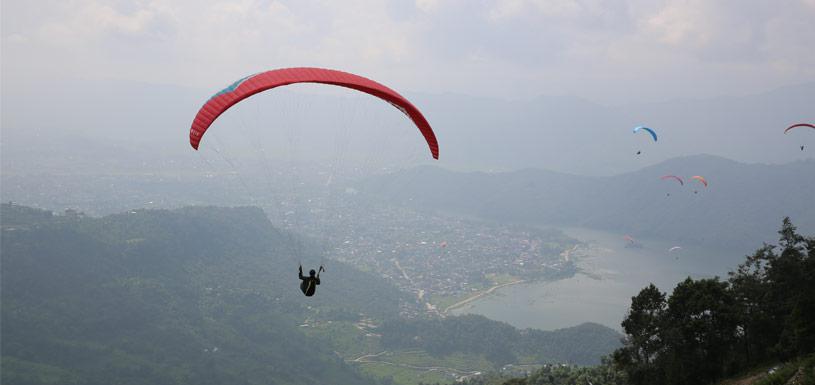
(609, 51)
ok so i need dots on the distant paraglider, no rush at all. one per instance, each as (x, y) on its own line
(674, 177)
(631, 242)
(797, 126)
(649, 130)
(675, 249)
(701, 179)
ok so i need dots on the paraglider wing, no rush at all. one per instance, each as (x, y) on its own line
(678, 179)
(629, 238)
(798, 125)
(700, 179)
(672, 249)
(650, 131)
(250, 85)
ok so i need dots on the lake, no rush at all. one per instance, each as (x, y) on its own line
(611, 274)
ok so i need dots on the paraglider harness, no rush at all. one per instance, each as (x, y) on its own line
(308, 285)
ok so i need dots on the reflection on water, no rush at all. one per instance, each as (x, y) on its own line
(611, 275)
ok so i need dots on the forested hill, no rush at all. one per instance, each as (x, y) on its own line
(746, 199)
(194, 296)
(501, 343)
(208, 295)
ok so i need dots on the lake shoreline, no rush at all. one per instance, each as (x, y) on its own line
(478, 295)
(608, 275)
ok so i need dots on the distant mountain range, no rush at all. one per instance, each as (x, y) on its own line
(577, 136)
(743, 204)
(137, 127)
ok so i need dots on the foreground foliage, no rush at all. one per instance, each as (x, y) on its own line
(709, 329)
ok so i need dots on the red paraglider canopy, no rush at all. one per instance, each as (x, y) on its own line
(701, 179)
(263, 81)
(678, 179)
(798, 125)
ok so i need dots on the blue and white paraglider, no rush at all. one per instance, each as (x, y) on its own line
(646, 129)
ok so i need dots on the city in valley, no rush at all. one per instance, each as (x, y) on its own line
(443, 259)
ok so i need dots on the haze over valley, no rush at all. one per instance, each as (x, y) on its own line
(488, 193)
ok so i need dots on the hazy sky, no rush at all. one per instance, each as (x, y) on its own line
(610, 51)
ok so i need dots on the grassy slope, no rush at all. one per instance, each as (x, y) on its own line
(145, 296)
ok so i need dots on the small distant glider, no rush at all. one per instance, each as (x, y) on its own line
(798, 125)
(649, 130)
(678, 179)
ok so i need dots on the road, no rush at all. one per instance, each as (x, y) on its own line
(479, 295)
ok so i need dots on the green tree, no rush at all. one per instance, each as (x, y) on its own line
(758, 331)
(643, 342)
(792, 287)
(701, 331)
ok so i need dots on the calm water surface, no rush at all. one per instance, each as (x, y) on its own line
(612, 274)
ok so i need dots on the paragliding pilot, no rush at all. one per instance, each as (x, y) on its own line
(309, 284)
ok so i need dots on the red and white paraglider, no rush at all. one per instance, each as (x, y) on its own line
(253, 84)
(799, 125)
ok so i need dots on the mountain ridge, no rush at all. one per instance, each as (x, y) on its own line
(740, 197)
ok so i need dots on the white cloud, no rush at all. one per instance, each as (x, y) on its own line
(16, 38)
(92, 20)
(677, 25)
(428, 6)
(591, 48)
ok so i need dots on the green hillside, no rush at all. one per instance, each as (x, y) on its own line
(209, 295)
(199, 295)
